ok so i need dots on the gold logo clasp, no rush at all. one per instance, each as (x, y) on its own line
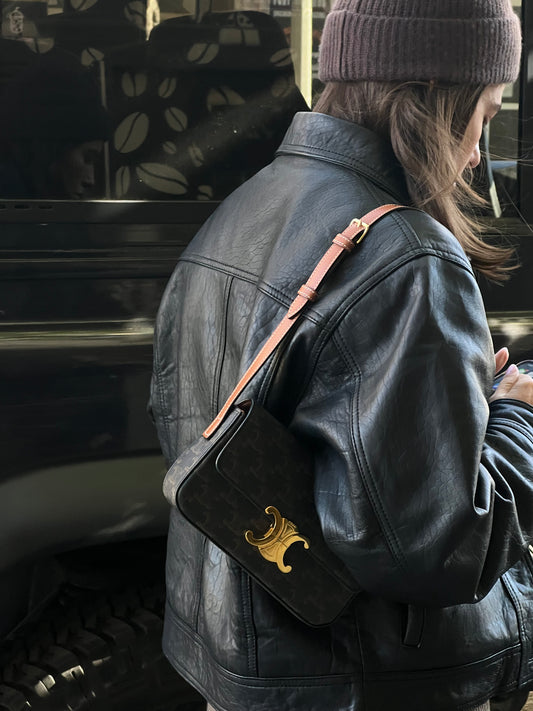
(277, 540)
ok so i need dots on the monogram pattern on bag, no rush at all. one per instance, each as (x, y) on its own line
(224, 487)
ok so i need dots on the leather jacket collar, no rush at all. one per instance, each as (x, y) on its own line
(348, 145)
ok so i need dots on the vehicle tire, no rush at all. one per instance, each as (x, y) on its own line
(95, 652)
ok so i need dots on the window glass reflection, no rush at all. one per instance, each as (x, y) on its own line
(52, 131)
(186, 98)
(139, 99)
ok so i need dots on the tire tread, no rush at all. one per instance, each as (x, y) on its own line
(95, 652)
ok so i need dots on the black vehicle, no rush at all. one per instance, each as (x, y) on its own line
(196, 100)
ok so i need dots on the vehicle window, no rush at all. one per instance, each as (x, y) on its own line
(169, 99)
(146, 100)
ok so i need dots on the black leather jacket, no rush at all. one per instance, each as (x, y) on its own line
(423, 491)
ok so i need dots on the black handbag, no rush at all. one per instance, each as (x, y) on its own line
(247, 484)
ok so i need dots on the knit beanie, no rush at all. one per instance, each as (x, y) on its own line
(459, 41)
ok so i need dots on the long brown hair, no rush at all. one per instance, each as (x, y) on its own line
(425, 123)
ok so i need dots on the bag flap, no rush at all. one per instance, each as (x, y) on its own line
(264, 460)
(193, 455)
(270, 467)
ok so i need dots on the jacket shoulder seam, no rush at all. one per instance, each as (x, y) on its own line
(283, 298)
(217, 265)
(377, 277)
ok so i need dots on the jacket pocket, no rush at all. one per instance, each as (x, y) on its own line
(453, 655)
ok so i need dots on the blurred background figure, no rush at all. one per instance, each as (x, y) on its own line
(52, 131)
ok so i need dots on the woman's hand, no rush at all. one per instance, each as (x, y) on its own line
(514, 384)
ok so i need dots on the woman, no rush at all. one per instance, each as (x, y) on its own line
(423, 488)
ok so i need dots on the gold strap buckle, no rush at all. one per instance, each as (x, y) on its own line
(359, 223)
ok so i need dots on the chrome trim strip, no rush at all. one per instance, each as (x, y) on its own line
(53, 335)
(513, 324)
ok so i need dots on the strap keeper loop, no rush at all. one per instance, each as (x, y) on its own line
(344, 242)
(307, 293)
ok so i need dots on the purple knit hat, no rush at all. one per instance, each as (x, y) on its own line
(459, 41)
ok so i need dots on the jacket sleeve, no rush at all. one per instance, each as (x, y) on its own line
(423, 491)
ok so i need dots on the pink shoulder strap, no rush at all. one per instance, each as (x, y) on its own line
(342, 244)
